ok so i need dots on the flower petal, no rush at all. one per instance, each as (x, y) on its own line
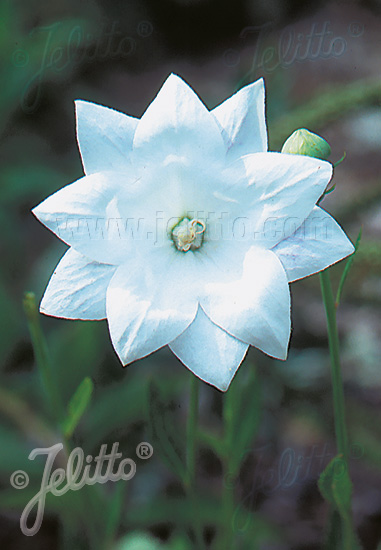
(177, 123)
(78, 215)
(104, 136)
(318, 243)
(209, 352)
(255, 307)
(148, 305)
(77, 288)
(278, 192)
(242, 118)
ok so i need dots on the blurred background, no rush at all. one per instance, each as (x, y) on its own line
(321, 63)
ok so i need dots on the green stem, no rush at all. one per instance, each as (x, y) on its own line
(190, 476)
(334, 350)
(348, 536)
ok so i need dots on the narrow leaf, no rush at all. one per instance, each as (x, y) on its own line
(77, 406)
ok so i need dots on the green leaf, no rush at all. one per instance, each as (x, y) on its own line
(165, 431)
(336, 488)
(335, 485)
(77, 406)
(347, 268)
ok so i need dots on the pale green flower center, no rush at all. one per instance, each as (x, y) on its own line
(188, 234)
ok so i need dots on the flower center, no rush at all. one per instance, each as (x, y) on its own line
(188, 234)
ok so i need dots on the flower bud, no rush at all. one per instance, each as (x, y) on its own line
(304, 142)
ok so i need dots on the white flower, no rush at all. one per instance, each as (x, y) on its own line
(185, 231)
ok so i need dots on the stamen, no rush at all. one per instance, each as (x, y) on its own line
(186, 236)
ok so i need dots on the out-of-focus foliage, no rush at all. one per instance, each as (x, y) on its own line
(118, 53)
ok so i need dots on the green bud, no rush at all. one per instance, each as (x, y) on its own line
(304, 142)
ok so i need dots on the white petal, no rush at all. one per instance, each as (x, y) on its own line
(317, 244)
(255, 307)
(242, 118)
(277, 192)
(178, 124)
(78, 215)
(148, 305)
(104, 137)
(77, 288)
(209, 352)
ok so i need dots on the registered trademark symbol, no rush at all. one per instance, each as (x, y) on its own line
(144, 450)
(145, 29)
(355, 29)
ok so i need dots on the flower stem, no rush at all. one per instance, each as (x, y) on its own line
(337, 382)
(348, 537)
(191, 449)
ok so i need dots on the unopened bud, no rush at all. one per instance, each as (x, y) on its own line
(304, 142)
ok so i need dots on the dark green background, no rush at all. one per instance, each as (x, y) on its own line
(118, 53)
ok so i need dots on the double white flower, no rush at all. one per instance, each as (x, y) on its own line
(220, 228)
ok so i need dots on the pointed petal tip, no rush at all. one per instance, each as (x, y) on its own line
(280, 355)
(37, 211)
(80, 104)
(260, 82)
(175, 76)
(351, 248)
(178, 82)
(223, 387)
